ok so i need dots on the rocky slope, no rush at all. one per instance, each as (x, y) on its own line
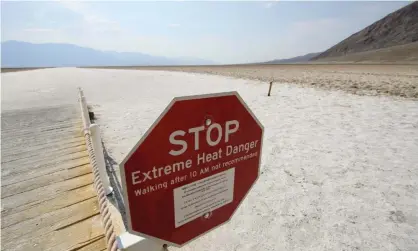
(397, 28)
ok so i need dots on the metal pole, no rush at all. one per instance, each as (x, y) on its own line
(271, 84)
(98, 151)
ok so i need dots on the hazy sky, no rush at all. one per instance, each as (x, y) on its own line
(225, 32)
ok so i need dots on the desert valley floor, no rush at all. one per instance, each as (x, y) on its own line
(339, 170)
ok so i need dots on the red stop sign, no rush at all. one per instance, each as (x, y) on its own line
(192, 168)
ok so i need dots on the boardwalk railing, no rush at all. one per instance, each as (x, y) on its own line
(116, 237)
(101, 180)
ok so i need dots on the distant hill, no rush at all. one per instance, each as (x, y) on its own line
(400, 54)
(396, 29)
(299, 59)
(23, 54)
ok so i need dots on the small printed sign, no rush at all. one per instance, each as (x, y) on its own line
(201, 197)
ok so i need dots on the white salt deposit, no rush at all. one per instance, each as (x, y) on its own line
(339, 171)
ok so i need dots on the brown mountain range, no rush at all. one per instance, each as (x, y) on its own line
(392, 38)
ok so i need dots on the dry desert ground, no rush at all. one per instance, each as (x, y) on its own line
(338, 170)
(363, 79)
(6, 70)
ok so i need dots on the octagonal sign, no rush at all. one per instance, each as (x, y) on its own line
(192, 168)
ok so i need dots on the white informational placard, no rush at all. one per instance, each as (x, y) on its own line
(195, 199)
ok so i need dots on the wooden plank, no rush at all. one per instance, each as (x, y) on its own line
(39, 116)
(20, 140)
(20, 161)
(93, 245)
(46, 142)
(45, 193)
(42, 146)
(40, 133)
(48, 198)
(68, 238)
(35, 173)
(27, 121)
(36, 110)
(37, 140)
(52, 221)
(43, 181)
(75, 123)
(18, 125)
(10, 168)
(29, 211)
(42, 151)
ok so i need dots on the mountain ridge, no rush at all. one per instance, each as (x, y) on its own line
(24, 54)
(297, 59)
(397, 28)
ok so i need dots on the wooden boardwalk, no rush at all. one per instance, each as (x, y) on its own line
(47, 197)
